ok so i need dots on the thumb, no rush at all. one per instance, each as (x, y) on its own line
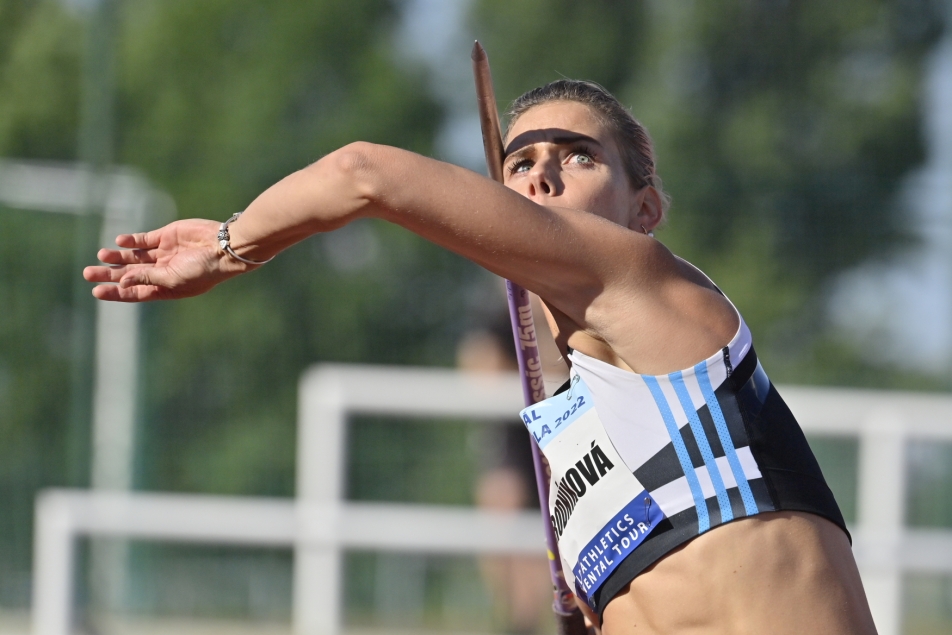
(141, 276)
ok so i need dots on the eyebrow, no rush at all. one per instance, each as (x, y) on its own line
(561, 139)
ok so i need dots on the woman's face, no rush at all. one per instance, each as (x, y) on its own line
(561, 155)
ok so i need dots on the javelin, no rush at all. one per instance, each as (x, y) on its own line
(568, 616)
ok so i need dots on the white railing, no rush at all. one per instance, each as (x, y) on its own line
(64, 515)
(319, 525)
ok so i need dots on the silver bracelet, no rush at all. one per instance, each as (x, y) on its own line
(224, 237)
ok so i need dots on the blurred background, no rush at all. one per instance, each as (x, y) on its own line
(807, 147)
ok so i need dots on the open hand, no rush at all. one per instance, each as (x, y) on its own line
(179, 260)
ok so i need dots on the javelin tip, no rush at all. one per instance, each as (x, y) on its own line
(479, 53)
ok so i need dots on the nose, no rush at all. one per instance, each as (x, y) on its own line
(543, 181)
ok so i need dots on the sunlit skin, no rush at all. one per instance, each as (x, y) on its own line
(570, 227)
(560, 155)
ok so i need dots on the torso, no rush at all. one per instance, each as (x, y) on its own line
(778, 573)
(775, 570)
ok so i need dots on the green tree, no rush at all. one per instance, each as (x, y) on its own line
(219, 100)
(215, 101)
(40, 46)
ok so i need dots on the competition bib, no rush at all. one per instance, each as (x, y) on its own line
(599, 510)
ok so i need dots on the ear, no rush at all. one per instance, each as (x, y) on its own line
(647, 211)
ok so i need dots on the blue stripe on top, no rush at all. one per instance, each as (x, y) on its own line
(703, 519)
(750, 505)
(723, 501)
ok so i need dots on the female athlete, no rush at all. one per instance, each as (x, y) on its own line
(702, 509)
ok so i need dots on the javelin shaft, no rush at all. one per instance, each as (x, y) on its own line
(527, 347)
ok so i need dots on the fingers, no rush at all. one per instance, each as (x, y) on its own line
(146, 276)
(115, 293)
(126, 256)
(104, 274)
(144, 240)
(128, 276)
(131, 283)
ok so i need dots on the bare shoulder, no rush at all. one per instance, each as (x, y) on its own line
(663, 315)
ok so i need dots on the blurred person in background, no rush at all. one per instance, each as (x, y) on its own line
(519, 585)
(726, 522)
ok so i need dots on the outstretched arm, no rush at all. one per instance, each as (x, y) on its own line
(568, 257)
(609, 284)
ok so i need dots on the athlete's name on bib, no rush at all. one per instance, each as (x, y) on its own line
(572, 486)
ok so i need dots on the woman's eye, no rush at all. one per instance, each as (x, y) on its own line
(520, 166)
(582, 158)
